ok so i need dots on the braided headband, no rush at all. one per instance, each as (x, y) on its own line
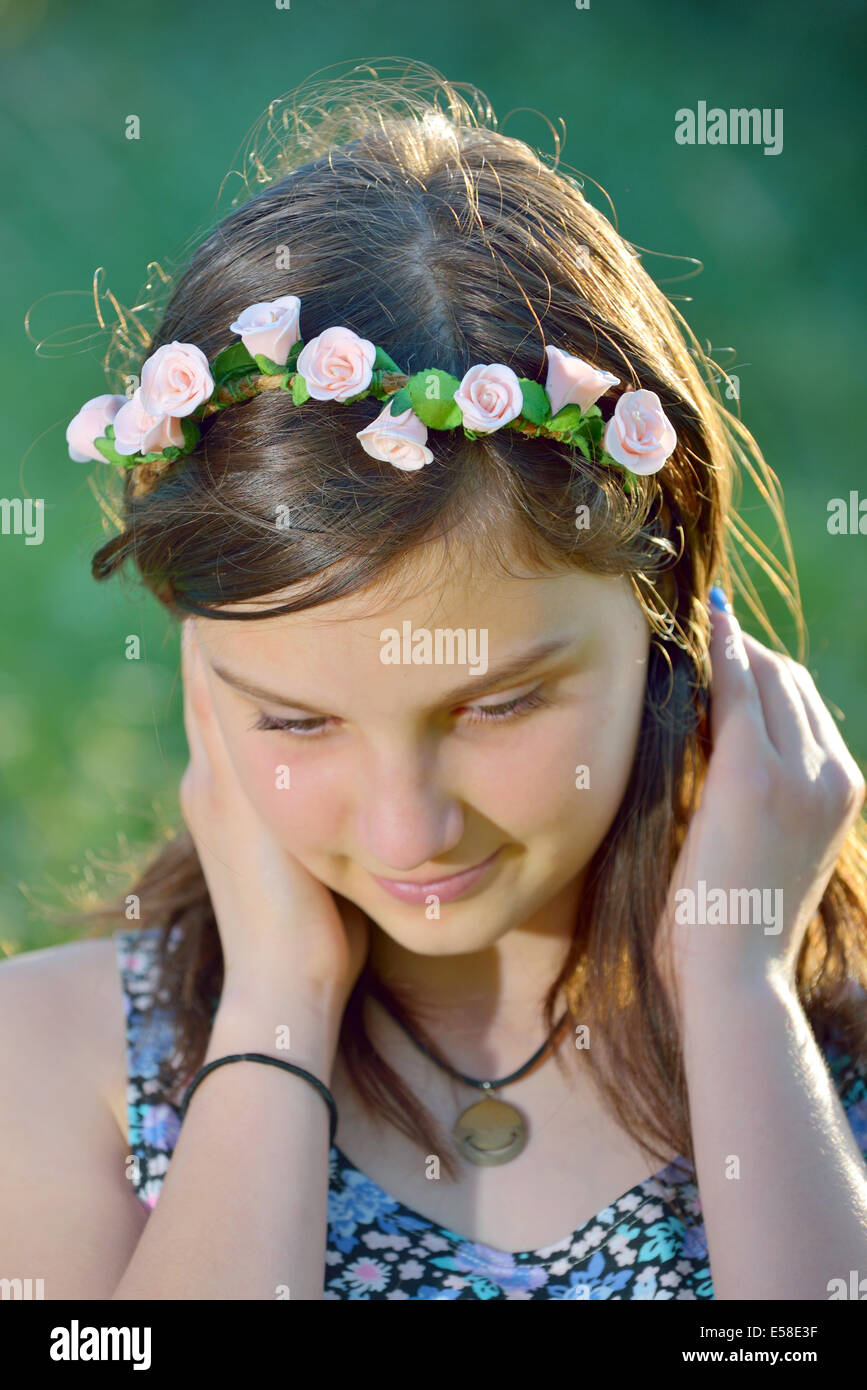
(179, 389)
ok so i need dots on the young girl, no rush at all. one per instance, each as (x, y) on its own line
(507, 852)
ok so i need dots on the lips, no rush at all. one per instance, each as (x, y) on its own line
(447, 888)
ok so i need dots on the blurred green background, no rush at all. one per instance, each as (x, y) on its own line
(91, 744)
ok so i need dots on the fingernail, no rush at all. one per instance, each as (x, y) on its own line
(718, 599)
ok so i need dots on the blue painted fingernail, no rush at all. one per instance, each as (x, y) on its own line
(718, 599)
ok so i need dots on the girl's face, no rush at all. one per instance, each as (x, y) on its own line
(417, 770)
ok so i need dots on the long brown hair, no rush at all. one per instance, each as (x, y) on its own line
(390, 202)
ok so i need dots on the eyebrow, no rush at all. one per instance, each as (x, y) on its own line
(496, 675)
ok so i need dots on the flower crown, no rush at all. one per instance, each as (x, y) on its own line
(179, 388)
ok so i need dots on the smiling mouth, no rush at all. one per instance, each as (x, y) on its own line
(433, 883)
(443, 878)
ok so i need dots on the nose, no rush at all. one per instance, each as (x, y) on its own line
(406, 816)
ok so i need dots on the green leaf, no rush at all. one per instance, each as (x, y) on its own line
(268, 366)
(233, 385)
(432, 394)
(105, 445)
(230, 362)
(566, 420)
(401, 401)
(191, 433)
(578, 442)
(300, 394)
(536, 406)
(383, 363)
(376, 388)
(593, 426)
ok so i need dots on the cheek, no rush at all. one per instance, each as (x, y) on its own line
(574, 763)
(294, 794)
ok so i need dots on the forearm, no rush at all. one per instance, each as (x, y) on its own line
(782, 1182)
(242, 1211)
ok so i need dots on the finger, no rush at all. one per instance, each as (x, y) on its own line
(207, 720)
(825, 730)
(204, 726)
(191, 677)
(734, 693)
(785, 717)
(826, 733)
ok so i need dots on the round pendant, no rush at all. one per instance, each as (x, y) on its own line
(490, 1132)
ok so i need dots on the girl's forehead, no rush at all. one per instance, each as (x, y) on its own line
(508, 603)
(500, 637)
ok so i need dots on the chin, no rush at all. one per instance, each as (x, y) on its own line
(453, 933)
(436, 943)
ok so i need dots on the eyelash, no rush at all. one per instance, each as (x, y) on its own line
(497, 714)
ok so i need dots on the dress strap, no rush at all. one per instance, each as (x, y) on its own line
(154, 1084)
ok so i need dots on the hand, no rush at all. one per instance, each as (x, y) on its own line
(780, 794)
(279, 925)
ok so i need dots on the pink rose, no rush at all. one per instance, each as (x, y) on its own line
(573, 382)
(136, 431)
(90, 423)
(337, 364)
(639, 435)
(398, 439)
(175, 380)
(270, 328)
(489, 396)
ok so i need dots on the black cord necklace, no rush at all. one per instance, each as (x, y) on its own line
(489, 1131)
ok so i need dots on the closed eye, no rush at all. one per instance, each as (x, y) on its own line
(478, 714)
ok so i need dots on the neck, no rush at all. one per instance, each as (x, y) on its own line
(506, 982)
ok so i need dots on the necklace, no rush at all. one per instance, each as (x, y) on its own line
(489, 1131)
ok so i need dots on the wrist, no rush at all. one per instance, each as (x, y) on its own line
(305, 1032)
(698, 988)
(256, 997)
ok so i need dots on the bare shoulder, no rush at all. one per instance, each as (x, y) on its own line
(71, 991)
(68, 1213)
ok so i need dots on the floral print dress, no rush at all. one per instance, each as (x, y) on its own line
(648, 1244)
